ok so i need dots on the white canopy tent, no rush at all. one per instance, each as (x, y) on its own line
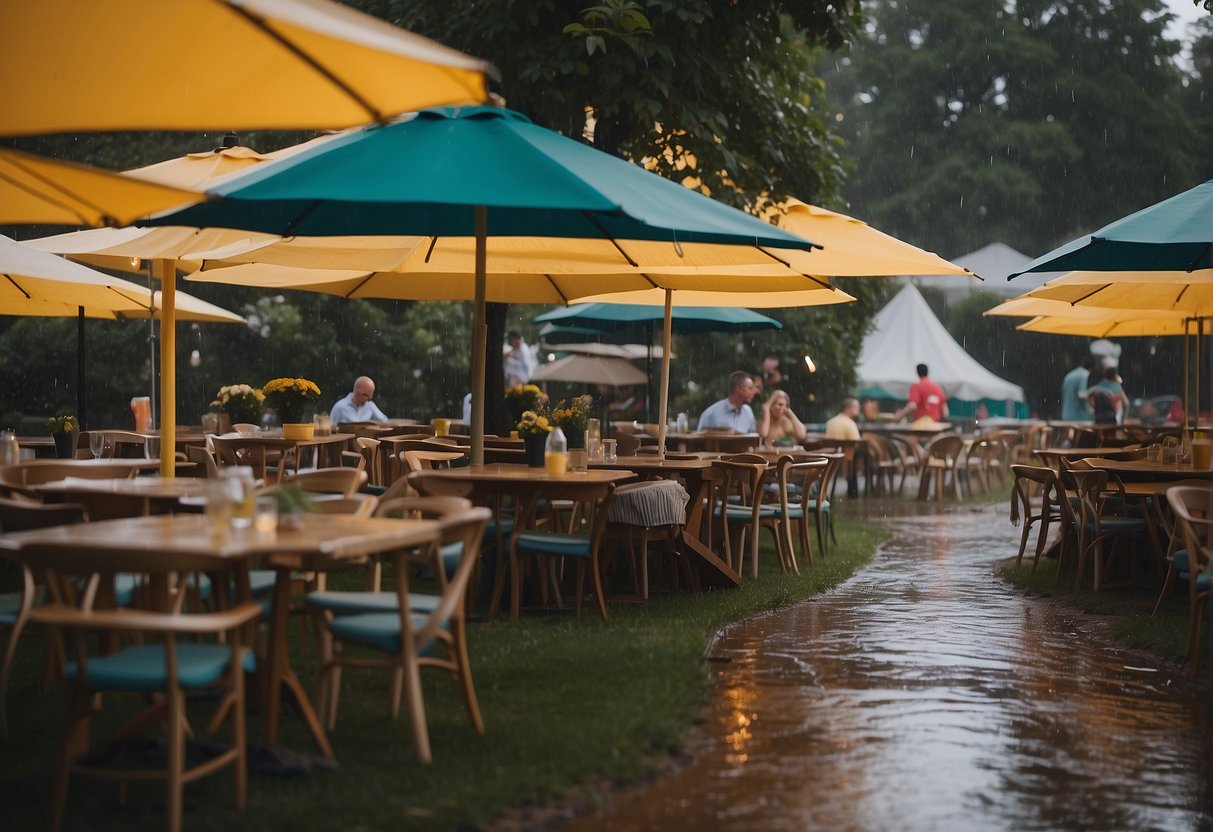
(907, 333)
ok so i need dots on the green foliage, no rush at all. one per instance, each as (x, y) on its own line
(975, 120)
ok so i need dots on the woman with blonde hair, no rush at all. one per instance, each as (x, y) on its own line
(779, 425)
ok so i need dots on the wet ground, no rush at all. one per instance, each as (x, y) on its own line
(924, 694)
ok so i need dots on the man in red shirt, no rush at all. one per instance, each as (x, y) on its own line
(926, 399)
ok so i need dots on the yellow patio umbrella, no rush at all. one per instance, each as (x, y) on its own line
(1112, 327)
(76, 65)
(1175, 291)
(135, 249)
(34, 189)
(852, 248)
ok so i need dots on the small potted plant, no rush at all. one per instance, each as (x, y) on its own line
(240, 403)
(64, 430)
(522, 397)
(534, 428)
(291, 397)
(573, 415)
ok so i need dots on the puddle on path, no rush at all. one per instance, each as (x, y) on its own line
(924, 694)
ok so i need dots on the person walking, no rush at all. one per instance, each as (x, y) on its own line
(927, 399)
(1074, 404)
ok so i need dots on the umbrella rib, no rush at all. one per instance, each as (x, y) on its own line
(430, 250)
(365, 280)
(564, 299)
(264, 26)
(17, 285)
(825, 284)
(294, 223)
(1088, 295)
(593, 220)
(1203, 255)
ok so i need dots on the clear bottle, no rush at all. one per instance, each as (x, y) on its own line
(556, 453)
(10, 451)
(242, 492)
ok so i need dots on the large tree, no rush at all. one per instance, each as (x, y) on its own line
(1028, 122)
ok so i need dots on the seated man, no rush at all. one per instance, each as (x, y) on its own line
(843, 425)
(357, 406)
(733, 412)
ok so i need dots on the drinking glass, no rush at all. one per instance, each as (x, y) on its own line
(265, 513)
(96, 443)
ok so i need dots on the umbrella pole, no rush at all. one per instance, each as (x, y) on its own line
(666, 330)
(479, 339)
(80, 393)
(168, 366)
(1187, 361)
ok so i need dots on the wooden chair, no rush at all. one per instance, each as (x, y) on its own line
(937, 474)
(343, 481)
(53, 472)
(803, 494)
(1101, 514)
(409, 638)
(643, 513)
(1038, 498)
(626, 444)
(258, 453)
(15, 607)
(1193, 509)
(881, 464)
(737, 507)
(586, 549)
(204, 459)
(156, 666)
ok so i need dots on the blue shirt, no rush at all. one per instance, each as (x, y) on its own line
(346, 411)
(722, 414)
(1074, 408)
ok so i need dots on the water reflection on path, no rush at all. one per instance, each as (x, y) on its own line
(925, 694)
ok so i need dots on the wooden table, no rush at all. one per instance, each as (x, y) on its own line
(186, 541)
(1143, 470)
(712, 441)
(528, 486)
(109, 499)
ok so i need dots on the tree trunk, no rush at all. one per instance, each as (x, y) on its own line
(495, 419)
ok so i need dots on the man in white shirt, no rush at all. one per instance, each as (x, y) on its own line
(357, 405)
(519, 361)
(733, 412)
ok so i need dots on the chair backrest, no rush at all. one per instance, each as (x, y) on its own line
(426, 508)
(626, 444)
(1193, 509)
(360, 505)
(52, 472)
(204, 458)
(465, 528)
(429, 460)
(343, 481)
(1035, 478)
(21, 515)
(429, 485)
(946, 448)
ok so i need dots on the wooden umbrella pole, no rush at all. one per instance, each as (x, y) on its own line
(168, 366)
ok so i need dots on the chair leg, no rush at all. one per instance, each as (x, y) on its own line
(460, 651)
(176, 756)
(1167, 585)
(416, 706)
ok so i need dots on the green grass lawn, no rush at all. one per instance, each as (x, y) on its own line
(567, 701)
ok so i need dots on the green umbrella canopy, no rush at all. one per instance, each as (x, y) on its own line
(639, 321)
(1175, 234)
(422, 175)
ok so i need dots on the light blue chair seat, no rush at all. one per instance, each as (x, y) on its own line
(375, 629)
(143, 668)
(10, 604)
(348, 603)
(564, 545)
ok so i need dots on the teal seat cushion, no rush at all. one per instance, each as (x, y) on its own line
(566, 545)
(373, 629)
(346, 603)
(142, 668)
(261, 581)
(10, 603)
(451, 554)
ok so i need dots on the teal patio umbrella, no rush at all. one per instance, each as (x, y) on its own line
(636, 322)
(478, 171)
(1173, 235)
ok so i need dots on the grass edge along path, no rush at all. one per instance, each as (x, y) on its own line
(567, 701)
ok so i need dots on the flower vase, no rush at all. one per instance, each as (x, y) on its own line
(65, 444)
(576, 438)
(298, 430)
(534, 446)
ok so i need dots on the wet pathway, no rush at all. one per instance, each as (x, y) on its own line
(926, 695)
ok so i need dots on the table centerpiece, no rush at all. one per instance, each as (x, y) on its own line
(291, 397)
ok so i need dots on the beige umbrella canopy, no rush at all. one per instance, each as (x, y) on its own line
(36, 284)
(1190, 293)
(590, 369)
(76, 65)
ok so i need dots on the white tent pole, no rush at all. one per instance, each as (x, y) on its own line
(480, 338)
